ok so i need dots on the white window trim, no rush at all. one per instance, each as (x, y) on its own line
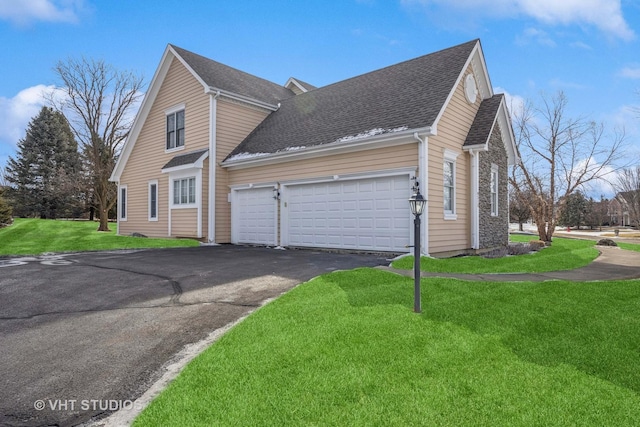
(495, 211)
(150, 183)
(121, 217)
(175, 177)
(172, 110)
(451, 156)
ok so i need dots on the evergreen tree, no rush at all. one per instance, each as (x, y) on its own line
(45, 171)
(5, 210)
(574, 211)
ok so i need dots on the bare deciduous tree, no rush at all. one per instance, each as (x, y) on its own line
(97, 99)
(558, 155)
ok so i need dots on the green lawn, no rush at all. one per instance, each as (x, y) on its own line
(629, 246)
(346, 349)
(563, 254)
(37, 236)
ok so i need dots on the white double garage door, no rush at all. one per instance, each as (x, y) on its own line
(363, 214)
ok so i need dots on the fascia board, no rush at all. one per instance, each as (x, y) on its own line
(476, 58)
(241, 98)
(143, 112)
(377, 141)
(507, 133)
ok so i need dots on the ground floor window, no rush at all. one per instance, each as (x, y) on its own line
(184, 191)
(122, 202)
(494, 190)
(153, 200)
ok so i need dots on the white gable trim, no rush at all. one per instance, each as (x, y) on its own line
(150, 97)
(476, 60)
(143, 112)
(508, 138)
(294, 82)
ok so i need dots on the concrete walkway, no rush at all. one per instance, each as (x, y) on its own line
(613, 263)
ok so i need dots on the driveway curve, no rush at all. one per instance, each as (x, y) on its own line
(83, 335)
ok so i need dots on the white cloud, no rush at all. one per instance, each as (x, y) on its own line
(515, 103)
(581, 45)
(16, 112)
(630, 72)
(536, 35)
(606, 15)
(23, 12)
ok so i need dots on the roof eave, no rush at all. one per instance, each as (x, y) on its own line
(360, 144)
(237, 97)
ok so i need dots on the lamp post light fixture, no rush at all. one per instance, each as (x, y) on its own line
(417, 204)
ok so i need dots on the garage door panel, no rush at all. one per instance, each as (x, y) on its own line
(368, 214)
(254, 218)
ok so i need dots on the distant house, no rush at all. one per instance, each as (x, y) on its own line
(227, 157)
(624, 208)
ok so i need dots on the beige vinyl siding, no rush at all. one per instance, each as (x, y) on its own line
(339, 164)
(183, 222)
(148, 155)
(454, 125)
(233, 123)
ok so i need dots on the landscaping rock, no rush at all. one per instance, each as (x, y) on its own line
(137, 235)
(606, 242)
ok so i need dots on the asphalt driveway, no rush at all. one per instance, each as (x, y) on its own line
(83, 335)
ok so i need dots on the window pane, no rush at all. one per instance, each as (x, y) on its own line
(183, 191)
(176, 192)
(171, 131)
(192, 190)
(123, 203)
(448, 197)
(448, 174)
(179, 138)
(180, 120)
(153, 200)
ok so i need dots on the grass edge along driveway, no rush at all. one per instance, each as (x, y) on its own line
(346, 349)
(29, 236)
(563, 254)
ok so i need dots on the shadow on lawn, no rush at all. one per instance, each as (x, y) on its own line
(592, 326)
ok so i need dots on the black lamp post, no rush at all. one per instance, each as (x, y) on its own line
(417, 204)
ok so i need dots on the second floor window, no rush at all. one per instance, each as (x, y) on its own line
(175, 130)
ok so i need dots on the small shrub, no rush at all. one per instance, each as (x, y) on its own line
(496, 253)
(520, 248)
(536, 245)
(606, 242)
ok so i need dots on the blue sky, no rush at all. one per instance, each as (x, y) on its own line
(590, 49)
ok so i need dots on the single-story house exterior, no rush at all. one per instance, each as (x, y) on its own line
(224, 156)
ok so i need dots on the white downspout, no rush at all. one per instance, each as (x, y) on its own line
(423, 161)
(211, 217)
(475, 207)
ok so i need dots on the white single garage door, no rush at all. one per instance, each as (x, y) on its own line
(366, 214)
(254, 216)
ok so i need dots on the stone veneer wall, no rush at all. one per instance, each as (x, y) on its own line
(494, 230)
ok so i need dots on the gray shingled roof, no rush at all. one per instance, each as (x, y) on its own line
(185, 159)
(480, 130)
(221, 76)
(409, 94)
